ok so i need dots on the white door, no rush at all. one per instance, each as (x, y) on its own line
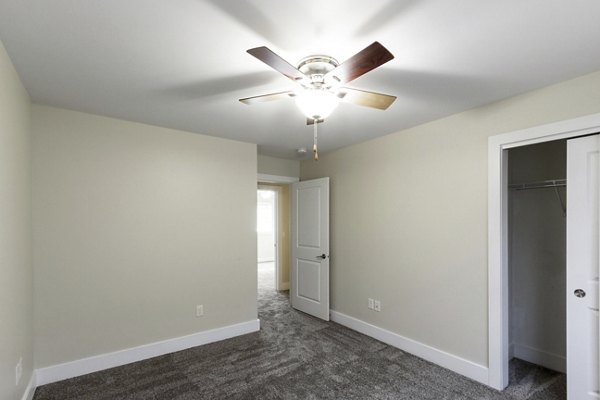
(310, 247)
(582, 267)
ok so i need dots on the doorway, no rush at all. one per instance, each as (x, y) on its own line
(266, 234)
(499, 287)
(273, 234)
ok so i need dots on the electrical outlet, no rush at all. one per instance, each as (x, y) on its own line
(371, 304)
(377, 306)
(199, 310)
(18, 371)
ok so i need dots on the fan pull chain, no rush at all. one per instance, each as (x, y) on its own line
(315, 152)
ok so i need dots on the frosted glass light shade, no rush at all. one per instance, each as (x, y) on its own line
(316, 103)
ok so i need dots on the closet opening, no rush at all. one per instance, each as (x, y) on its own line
(537, 254)
(534, 251)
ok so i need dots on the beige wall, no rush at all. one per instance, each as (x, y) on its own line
(134, 226)
(278, 166)
(409, 218)
(16, 308)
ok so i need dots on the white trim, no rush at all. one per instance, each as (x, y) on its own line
(276, 220)
(100, 362)
(30, 389)
(497, 230)
(540, 357)
(454, 363)
(277, 178)
(284, 286)
(497, 271)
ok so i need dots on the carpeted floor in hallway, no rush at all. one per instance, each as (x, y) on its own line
(296, 356)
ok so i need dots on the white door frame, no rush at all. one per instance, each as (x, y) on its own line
(498, 230)
(266, 178)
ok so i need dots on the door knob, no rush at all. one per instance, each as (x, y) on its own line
(322, 256)
(579, 293)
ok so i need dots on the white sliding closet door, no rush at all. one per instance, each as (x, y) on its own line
(583, 163)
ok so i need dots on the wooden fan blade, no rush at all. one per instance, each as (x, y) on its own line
(267, 56)
(362, 62)
(366, 99)
(267, 97)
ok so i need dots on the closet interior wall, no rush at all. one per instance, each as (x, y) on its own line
(537, 255)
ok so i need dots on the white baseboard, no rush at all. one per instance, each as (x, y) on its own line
(88, 365)
(454, 363)
(284, 286)
(539, 357)
(30, 389)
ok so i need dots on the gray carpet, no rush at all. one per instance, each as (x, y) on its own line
(296, 356)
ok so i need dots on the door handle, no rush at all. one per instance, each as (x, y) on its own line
(579, 293)
(322, 256)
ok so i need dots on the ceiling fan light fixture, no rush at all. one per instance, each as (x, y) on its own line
(316, 103)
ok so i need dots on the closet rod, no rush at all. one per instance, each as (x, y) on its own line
(553, 183)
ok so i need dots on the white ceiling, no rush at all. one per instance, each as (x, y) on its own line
(183, 63)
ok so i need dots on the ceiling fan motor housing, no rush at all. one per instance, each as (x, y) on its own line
(316, 67)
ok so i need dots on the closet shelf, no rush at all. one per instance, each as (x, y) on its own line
(549, 184)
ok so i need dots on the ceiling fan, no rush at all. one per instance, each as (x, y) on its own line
(320, 80)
